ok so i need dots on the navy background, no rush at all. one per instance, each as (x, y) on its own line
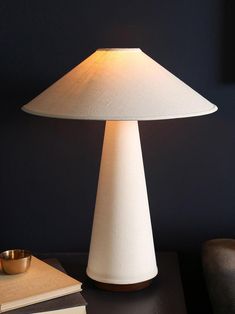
(49, 167)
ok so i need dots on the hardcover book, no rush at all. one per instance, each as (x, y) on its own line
(70, 304)
(40, 283)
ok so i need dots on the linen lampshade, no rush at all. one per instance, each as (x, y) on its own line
(119, 84)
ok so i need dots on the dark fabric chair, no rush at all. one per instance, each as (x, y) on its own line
(218, 258)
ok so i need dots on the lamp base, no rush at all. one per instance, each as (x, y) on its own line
(122, 256)
(123, 288)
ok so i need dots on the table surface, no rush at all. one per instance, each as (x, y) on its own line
(164, 296)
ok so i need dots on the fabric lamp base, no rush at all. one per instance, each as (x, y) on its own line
(122, 248)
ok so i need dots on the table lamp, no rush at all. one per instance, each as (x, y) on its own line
(121, 86)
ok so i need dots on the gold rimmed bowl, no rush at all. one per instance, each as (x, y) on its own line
(15, 261)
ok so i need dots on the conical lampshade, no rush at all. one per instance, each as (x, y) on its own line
(119, 84)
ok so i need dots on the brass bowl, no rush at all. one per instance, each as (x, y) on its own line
(15, 261)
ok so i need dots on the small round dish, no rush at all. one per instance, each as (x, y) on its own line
(15, 261)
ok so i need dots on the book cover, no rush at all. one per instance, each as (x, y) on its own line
(41, 282)
(70, 304)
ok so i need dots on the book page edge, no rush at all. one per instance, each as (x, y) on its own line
(39, 298)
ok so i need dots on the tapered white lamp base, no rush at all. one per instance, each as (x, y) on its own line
(122, 248)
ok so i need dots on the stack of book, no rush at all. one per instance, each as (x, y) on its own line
(44, 288)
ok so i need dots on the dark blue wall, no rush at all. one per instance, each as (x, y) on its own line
(49, 167)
